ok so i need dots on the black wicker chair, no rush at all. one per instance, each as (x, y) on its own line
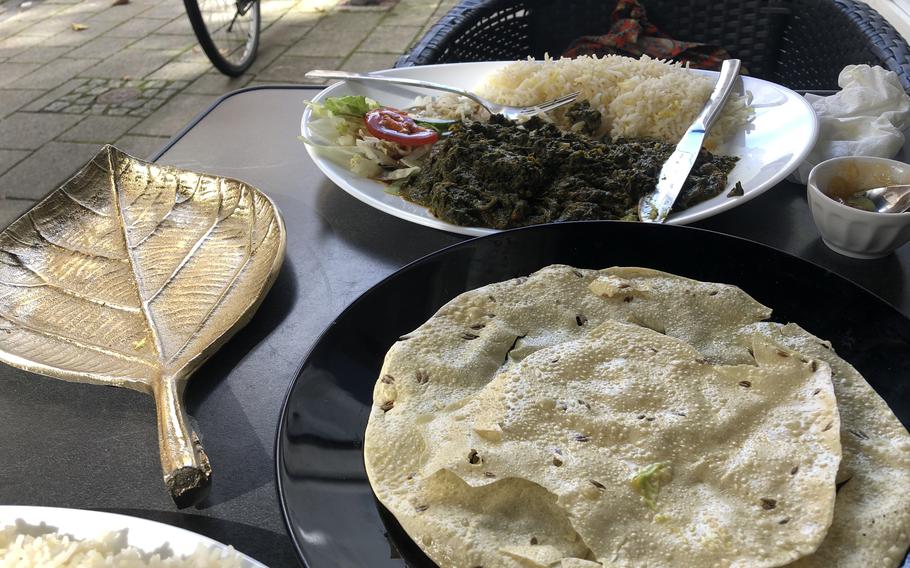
(802, 44)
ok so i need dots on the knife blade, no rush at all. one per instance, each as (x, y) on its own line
(655, 206)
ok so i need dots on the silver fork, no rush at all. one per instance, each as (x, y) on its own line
(510, 112)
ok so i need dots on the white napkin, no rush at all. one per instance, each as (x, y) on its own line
(866, 118)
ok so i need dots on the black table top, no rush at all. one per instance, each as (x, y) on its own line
(69, 445)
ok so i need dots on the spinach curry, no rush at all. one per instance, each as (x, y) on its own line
(501, 174)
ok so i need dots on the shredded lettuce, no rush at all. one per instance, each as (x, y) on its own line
(355, 105)
(336, 129)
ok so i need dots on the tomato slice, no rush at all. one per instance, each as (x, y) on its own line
(396, 126)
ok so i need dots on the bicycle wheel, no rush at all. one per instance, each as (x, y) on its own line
(228, 32)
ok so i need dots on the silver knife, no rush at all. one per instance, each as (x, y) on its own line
(655, 206)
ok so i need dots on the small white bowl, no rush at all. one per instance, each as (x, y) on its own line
(850, 231)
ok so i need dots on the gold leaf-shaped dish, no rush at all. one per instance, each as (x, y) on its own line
(132, 274)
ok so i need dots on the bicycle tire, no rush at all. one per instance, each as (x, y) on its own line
(210, 46)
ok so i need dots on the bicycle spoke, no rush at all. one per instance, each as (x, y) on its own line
(229, 24)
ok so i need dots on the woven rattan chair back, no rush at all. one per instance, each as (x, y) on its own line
(802, 44)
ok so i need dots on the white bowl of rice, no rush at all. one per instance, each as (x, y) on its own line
(74, 538)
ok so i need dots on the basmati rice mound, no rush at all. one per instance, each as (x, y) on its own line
(26, 546)
(638, 98)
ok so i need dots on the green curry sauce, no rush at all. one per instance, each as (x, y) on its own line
(503, 175)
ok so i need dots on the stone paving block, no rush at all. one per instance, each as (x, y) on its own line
(363, 62)
(12, 209)
(45, 170)
(58, 106)
(26, 18)
(131, 62)
(433, 3)
(68, 38)
(83, 10)
(165, 10)
(170, 118)
(274, 9)
(338, 35)
(255, 83)
(53, 95)
(404, 15)
(267, 54)
(40, 54)
(120, 13)
(135, 28)
(60, 25)
(344, 22)
(142, 147)
(291, 68)
(181, 70)
(29, 131)
(179, 25)
(101, 47)
(10, 72)
(99, 129)
(390, 39)
(53, 74)
(136, 97)
(166, 43)
(381, 6)
(15, 45)
(8, 158)
(13, 100)
(416, 4)
(193, 55)
(217, 84)
(314, 6)
(290, 28)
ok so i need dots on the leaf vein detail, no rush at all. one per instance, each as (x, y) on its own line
(75, 342)
(81, 204)
(250, 255)
(150, 321)
(48, 241)
(183, 262)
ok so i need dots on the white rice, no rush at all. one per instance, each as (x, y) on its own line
(450, 106)
(25, 547)
(637, 98)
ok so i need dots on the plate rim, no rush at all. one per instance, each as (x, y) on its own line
(678, 219)
(283, 412)
(46, 515)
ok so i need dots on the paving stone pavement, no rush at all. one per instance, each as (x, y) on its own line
(76, 74)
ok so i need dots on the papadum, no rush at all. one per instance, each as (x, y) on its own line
(872, 511)
(464, 513)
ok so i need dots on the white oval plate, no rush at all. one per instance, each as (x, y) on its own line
(146, 535)
(782, 134)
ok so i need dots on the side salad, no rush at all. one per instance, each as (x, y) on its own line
(371, 140)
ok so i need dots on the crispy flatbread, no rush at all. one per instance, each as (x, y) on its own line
(872, 511)
(747, 453)
(443, 365)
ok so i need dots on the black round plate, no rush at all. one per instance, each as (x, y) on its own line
(331, 513)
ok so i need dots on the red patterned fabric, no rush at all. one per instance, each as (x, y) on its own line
(633, 35)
